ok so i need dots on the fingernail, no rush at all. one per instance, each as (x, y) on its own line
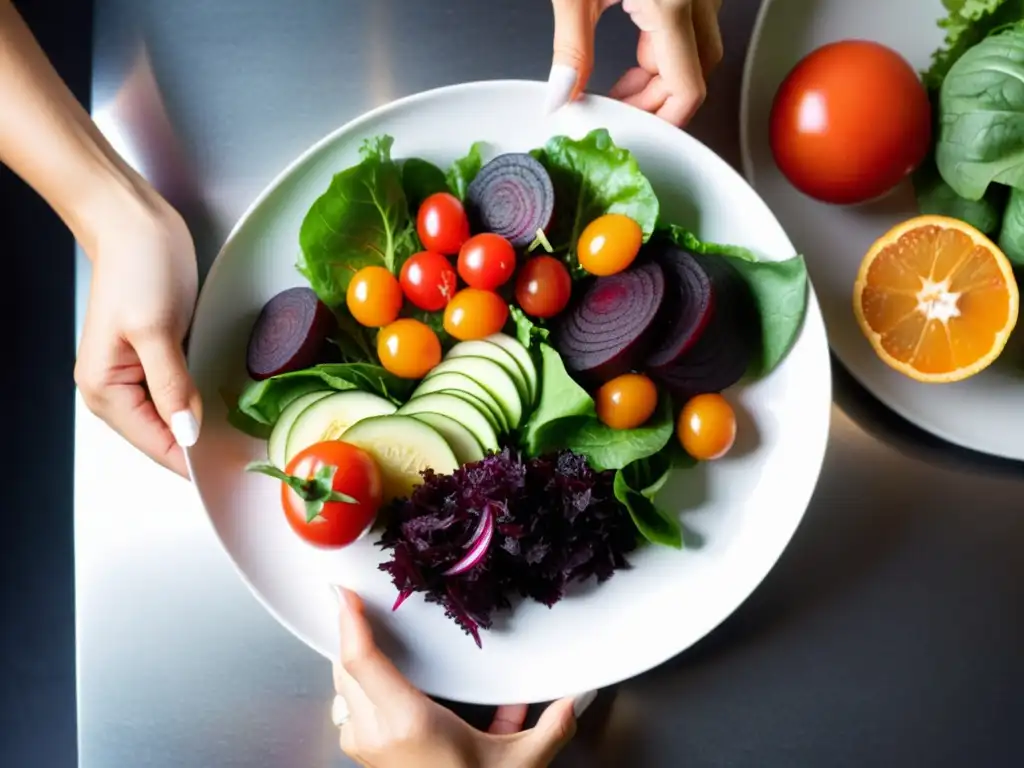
(581, 702)
(185, 428)
(561, 82)
(339, 595)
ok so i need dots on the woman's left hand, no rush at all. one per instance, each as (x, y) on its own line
(386, 723)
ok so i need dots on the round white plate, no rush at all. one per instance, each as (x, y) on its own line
(986, 412)
(745, 507)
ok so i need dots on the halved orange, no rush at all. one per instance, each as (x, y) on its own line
(936, 299)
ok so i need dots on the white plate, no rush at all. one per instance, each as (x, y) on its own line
(746, 506)
(986, 412)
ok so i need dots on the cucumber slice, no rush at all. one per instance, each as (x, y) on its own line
(277, 445)
(461, 409)
(402, 447)
(458, 382)
(465, 446)
(497, 424)
(484, 348)
(491, 377)
(524, 358)
(329, 418)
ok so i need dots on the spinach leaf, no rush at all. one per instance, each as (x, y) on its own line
(361, 220)
(653, 523)
(464, 170)
(560, 398)
(1011, 236)
(602, 178)
(981, 103)
(968, 22)
(936, 197)
(779, 290)
(264, 400)
(420, 180)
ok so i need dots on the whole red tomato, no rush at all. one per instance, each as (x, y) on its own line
(330, 492)
(850, 122)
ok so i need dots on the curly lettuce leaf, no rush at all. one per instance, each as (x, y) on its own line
(601, 178)
(361, 220)
(967, 23)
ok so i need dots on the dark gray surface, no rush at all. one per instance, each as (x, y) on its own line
(888, 634)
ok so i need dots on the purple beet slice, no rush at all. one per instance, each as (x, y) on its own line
(512, 196)
(289, 333)
(689, 300)
(606, 331)
(722, 353)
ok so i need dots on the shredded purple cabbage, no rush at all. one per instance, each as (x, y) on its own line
(556, 522)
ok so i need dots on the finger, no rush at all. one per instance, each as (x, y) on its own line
(645, 53)
(170, 386)
(631, 83)
(555, 729)
(132, 415)
(378, 678)
(651, 98)
(708, 34)
(359, 706)
(573, 54)
(509, 719)
(675, 49)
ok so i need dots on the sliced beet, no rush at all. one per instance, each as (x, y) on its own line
(722, 353)
(289, 334)
(689, 299)
(605, 333)
(512, 196)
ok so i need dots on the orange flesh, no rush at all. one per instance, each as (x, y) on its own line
(937, 300)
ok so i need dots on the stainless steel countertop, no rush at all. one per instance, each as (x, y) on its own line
(889, 633)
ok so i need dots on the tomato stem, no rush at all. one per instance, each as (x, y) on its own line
(541, 241)
(315, 491)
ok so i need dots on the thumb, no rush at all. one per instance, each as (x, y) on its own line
(169, 384)
(573, 59)
(555, 728)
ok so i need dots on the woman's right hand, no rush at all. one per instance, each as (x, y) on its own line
(386, 723)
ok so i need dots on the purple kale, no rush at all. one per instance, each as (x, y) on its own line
(556, 521)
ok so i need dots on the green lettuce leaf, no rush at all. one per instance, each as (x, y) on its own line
(967, 23)
(1011, 235)
(601, 178)
(653, 523)
(420, 180)
(361, 220)
(937, 198)
(527, 332)
(779, 290)
(464, 170)
(560, 398)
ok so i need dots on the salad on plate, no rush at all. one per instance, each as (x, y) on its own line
(491, 369)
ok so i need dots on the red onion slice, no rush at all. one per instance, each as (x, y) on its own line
(478, 544)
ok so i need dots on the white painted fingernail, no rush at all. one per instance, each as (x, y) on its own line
(339, 711)
(185, 428)
(581, 702)
(561, 82)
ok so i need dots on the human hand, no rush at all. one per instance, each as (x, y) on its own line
(680, 44)
(131, 367)
(386, 723)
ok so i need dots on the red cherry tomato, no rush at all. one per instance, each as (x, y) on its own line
(442, 224)
(850, 122)
(428, 280)
(337, 523)
(543, 287)
(486, 261)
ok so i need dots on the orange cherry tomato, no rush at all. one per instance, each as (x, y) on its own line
(543, 287)
(408, 348)
(849, 122)
(707, 427)
(374, 297)
(475, 314)
(609, 244)
(627, 401)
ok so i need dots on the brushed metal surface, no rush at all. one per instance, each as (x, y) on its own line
(891, 621)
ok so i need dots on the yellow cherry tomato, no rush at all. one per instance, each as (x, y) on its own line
(475, 314)
(408, 348)
(627, 401)
(374, 297)
(609, 244)
(707, 427)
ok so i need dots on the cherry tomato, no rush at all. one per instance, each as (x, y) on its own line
(428, 280)
(374, 297)
(337, 523)
(609, 244)
(707, 427)
(486, 261)
(408, 348)
(627, 401)
(475, 314)
(543, 286)
(442, 224)
(849, 122)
